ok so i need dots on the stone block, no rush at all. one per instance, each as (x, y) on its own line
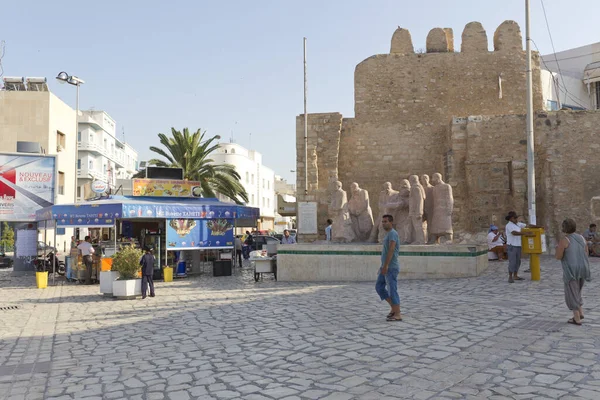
(474, 38)
(401, 42)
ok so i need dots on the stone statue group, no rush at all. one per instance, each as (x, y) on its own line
(422, 212)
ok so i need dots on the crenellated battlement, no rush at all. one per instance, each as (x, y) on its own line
(507, 37)
(406, 85)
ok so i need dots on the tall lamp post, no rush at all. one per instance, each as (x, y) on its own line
(63, 77)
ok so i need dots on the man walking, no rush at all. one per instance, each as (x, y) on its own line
(389, 270)
(87, 250)
(147, 263)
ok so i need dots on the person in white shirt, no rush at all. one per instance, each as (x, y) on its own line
(328, 230)
(513, 240)
(496, 242)
(87, 250)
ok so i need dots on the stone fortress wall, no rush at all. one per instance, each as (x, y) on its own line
(458, 113)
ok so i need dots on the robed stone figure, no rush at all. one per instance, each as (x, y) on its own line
(388, 198)
(341, 230)
(443, 205)
(360, 212)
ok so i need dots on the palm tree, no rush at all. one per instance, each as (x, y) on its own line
(190, 153)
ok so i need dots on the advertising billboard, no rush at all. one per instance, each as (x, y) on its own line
(195, 234)
(166, 188)
(27, 184)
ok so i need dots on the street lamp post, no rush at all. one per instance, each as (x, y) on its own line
(63, 77)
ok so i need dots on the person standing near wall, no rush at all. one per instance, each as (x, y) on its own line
(389, 270)
(572, 251)
(513, 240)
(328, 230)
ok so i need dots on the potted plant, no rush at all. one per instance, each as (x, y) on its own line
(107, 277)
(127, 263)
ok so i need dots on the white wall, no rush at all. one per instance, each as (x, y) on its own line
(568, 67)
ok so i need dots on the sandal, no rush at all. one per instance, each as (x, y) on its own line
(390, 315)
(572, 321)
(581, 317)
(518, 278)
(392, 318)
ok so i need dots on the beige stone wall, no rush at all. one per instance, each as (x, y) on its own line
(405, 104)
(323, 152)
(490, 169)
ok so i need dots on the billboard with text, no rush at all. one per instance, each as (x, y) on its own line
(27, 184)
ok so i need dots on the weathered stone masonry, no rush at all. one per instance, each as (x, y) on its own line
(412, 117)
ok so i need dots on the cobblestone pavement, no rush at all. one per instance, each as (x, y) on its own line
(230, 338)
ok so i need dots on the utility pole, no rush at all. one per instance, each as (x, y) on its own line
(530, 140)
(534, 260)
(305, 129)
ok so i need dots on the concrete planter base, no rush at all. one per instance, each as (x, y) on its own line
(106, 282)
(127, 290)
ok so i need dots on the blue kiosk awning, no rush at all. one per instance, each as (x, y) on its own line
(105, 212)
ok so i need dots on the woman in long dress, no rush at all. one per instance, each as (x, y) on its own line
(572, 250)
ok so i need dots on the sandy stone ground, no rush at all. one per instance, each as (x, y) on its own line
(231, 338)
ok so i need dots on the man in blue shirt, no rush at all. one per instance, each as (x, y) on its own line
(389, 270)
(328, 230)
(287, 239)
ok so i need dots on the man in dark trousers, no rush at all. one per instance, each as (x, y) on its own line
(147, 263)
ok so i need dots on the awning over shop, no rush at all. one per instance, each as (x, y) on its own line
(104, 212)
(591, 73)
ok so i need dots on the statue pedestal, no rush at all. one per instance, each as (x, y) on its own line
(360, 262)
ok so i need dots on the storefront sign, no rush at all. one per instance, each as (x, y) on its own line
(166, 188)
(86, 215)
(195, 234)
(99, 187)
(26, 185)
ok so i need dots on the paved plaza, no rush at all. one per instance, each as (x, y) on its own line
(232, 338)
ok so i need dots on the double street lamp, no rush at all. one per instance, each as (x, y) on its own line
(63, 77)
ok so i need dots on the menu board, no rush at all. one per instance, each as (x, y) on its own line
(307, 217)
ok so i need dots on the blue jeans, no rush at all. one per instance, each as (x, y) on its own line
(390, 280)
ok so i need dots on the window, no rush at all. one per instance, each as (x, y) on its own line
(263, 202)
(597, 95)
(252, 180)
(79, 163)
(269, 185)
(106, 144)
(79, 136)
(61, 182)
(252, 200)
(91, 138)
(104, 168)
(247, 180)
(91, 164)
(78, 191)
(551, 105)
(268, 203)
(61, 141)
(225, 151)
(232, 151)
(263, 183)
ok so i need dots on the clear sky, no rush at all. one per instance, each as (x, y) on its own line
(235, 67)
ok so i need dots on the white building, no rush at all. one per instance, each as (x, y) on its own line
(287, 191)
(258, 180)
(36, 115)
(102, 156)
(571, 78)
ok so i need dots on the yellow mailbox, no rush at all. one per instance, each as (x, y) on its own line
(532, 244)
